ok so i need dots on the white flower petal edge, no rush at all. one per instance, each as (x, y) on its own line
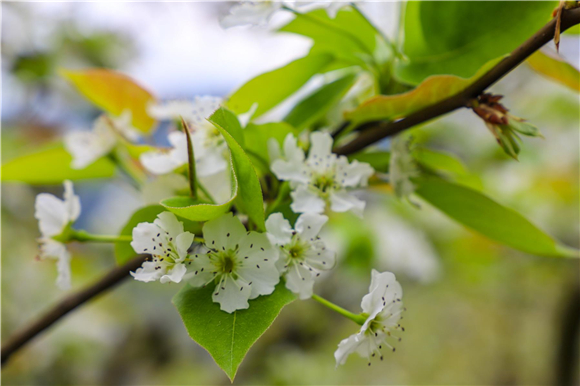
(168, 245)
(54, 216)
(241, 264)
(86, 147)
(302, 254)
(209, 147)
(256, 13)
(383, 307)
(323, 178)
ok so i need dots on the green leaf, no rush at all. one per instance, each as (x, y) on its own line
(458, 37)
(114, 92)
(489, 218)
(228, 337)
(247, 190)
(271, 88)
(349, 36)
(555, 69)
(230, 122)
(434, 89)
(123, 251)
(447, 165)
(51, 165)
(315, 106)
(379, 160)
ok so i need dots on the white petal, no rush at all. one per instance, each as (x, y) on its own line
(320, 145)
(144, 236)
(306, 201)
(72, 202)
(384, 289)
(218, 185)
(175, 274)
(279, 229)
(211, 162)
(347, 347)
(171, 110)
(290, 171)
(51, 214)
(320, 257)
(342, 201)
(309, 225)
(300, 280)
(203, 108)
(292, 152)
(259, 267)
(353, 174)
(158, 162)
(224, 232)
(246, 117)
(246, 13)
(124, 125)
(169, 223)
(183, 242)
(200, 270)
(232, 295)
(63, 280)
(147, 272)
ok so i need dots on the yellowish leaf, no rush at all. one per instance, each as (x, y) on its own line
(555, 69)
(114, 92)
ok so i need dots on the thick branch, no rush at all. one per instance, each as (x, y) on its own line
(22, 337)
(381, 129)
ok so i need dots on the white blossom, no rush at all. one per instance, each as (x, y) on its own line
(167, 243)
(209, 147)
(254, 13)
(321, 178)
(241, 264)
(302, 254)
(402, 167)
(55, 216)
(382, 307)
(86, 147)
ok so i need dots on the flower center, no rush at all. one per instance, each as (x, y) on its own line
(324, 182)
(225, 262)
(296, 249)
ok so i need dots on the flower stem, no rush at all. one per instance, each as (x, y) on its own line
(84, 236)
(191, 161)
(359, 319)
(126, 166)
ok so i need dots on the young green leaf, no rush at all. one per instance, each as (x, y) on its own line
(349, 36)
(123, 251)
(51, 165)
(379, 160)
(472, 34)
(271, 88)
(489, 218)
(312, 108)
(556, 69)
(114, 92)
(247, 190)
(228, 337)
(447, 165)
(257, 136)
(434, 89)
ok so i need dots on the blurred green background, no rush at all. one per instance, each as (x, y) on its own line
(477, 312)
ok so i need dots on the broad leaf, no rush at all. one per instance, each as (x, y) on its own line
(434, 89)
(458, 37)
(489, 218)
(228, 337)
(556, 69)
(247, 190)
(447, 165)
(52, 166)
(123, 251)
(315, 106)
(349, 36)
(271, 88)
(114, 92)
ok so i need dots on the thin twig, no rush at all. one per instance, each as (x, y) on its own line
(25, 335)
(375, 131)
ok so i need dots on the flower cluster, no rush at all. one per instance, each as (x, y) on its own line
(320, 179)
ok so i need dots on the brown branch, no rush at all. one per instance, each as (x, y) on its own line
(22, 337)
(375, 131)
